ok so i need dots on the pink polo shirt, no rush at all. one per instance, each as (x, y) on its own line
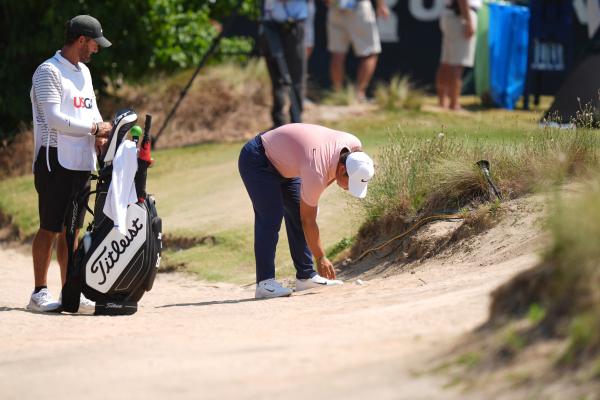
(310, 152)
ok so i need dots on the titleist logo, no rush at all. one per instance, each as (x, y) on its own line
(106, 260)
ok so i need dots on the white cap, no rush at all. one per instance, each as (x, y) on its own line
(360, 171)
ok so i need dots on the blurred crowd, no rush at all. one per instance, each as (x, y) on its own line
(287, 40)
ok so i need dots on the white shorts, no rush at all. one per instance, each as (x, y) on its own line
(357, 27)
(456, 48)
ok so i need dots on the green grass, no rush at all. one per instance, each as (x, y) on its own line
(19, 200)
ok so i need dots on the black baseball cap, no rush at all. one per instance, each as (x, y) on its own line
(89, 26)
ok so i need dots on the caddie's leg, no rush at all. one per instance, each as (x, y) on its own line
(41, 251)
(301, 255)
(263, 185)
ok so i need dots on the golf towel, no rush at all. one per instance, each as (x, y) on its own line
(122, 192)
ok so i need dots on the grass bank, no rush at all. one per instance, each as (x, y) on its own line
(560, 297)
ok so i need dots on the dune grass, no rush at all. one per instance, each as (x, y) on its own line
(436, 173)
(398, 93)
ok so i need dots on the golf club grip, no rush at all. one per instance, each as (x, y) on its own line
(147, 125)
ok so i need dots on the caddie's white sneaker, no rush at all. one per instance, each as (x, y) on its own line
(86, 306)
(315, 282)
(270, 288)
(42, 301)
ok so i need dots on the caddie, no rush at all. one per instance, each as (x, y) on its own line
(68, 131)
(285, 172)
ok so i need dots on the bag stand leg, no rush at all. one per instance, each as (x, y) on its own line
(71, 291)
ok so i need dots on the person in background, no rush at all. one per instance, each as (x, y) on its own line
(309, 43)
(354, 22)
(285, 171)
(458, 24)
(309, 29)
(282, 24)
(68, 131)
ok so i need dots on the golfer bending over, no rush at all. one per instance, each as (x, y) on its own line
(285, 171)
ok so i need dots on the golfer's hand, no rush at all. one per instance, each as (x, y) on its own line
(325, 268)
(100, 145)
(103, 129)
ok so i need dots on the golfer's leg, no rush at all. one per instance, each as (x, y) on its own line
(301, 255)
(263, 187)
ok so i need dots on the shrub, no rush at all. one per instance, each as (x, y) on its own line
(397, 94)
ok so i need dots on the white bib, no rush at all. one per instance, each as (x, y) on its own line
(78, 101)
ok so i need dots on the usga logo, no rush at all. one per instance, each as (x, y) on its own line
(81, 102)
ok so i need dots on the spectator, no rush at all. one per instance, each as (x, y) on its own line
(282, 42)
(354, 22)
(458, 24)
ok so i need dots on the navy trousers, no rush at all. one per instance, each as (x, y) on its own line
(273, 198)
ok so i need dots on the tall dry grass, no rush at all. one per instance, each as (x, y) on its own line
(398, 93)
(419, 176)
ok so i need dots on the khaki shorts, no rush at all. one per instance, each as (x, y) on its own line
(357, 26)
(456, 48)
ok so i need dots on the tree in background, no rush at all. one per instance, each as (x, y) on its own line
(148, 36)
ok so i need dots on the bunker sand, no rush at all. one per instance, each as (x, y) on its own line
(191, 339)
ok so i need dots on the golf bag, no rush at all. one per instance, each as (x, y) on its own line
(110, 268)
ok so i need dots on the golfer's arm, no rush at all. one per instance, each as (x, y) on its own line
(65, 124)
(308, 216)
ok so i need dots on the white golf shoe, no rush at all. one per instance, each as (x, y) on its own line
(316, 282)
(270, 288)
(42, 301)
